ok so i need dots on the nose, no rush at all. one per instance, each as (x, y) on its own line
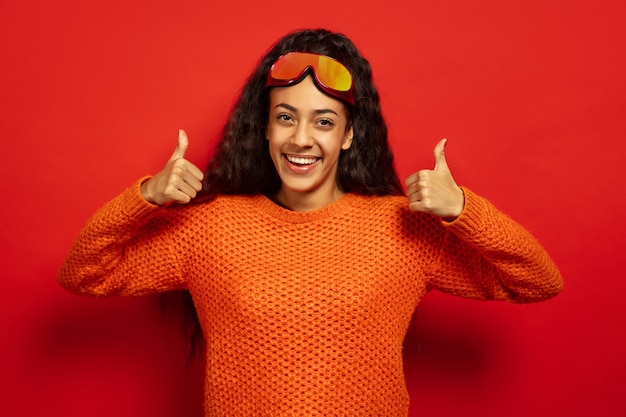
(302, 136)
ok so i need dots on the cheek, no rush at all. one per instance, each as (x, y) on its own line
(272, 132)
(277, 137)
(269, 129)
(273, 148)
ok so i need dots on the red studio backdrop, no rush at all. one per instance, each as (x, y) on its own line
(531, 96)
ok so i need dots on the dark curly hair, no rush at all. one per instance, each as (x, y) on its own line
(241, 164)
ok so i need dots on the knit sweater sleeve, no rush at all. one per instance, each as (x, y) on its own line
(126, 248)
(485, 254)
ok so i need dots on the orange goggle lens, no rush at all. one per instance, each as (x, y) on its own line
(329, 74)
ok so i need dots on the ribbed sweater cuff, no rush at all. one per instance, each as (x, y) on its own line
(131, 204)
(472, 218)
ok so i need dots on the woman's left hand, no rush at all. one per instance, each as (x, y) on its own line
(435, 191)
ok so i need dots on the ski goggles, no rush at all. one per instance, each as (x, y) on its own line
(330, 75)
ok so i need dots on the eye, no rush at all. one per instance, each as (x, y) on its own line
(326, 122)
(284, 117)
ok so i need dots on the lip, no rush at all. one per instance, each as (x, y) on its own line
(301, 168)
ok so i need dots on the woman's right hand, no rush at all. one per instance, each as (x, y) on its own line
(179, 181)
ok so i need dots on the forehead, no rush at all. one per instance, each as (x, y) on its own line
(305, 96)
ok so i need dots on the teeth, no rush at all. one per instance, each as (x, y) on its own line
(301, 161)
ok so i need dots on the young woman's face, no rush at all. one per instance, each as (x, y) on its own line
(306, 133)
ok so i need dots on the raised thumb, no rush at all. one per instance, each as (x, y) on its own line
(440, 156)
(181, 147)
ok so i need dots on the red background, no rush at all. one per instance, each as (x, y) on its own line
(530, 95)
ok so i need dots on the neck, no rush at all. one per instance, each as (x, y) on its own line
(298, 201)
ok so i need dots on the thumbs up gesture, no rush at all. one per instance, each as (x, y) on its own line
(434, 191)
(179, 181)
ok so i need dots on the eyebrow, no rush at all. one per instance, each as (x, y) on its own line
(295, 110)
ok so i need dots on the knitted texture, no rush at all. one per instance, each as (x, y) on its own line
(305, 314)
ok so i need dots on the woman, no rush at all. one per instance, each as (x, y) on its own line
(304, 261)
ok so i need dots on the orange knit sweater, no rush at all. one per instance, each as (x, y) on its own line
(305, 314)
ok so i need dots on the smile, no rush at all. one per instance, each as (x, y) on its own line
(301, 160)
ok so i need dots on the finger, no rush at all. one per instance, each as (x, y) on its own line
(419, 206)
(416, 206)
(188, 189)
(183, 167)
(194, 171)
(180, 197)
(440, 156)
(183, 171)
(411, 179)
(193, 181)
(418, 179)
(179, 191)
(413, 189)
(181, 147)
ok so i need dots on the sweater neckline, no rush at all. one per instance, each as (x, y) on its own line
(267, 206)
